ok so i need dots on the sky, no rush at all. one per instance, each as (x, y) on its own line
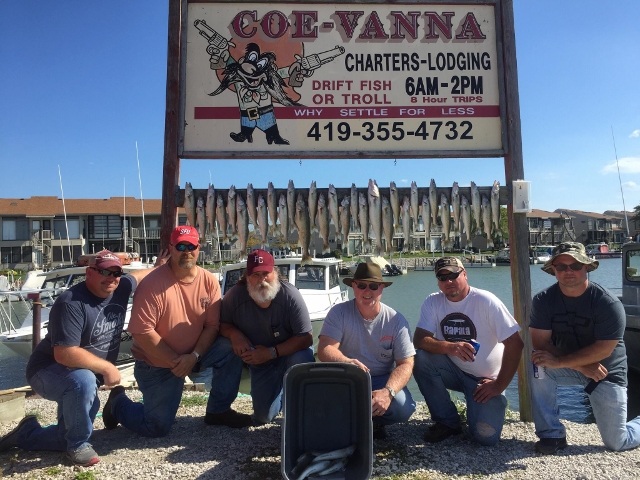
(81, 82)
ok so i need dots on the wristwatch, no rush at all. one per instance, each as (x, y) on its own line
(391, 391)
(197, 355)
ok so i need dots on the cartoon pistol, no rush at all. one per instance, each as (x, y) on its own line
(218, 46)
(312, 62)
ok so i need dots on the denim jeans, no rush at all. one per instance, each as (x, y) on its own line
(401, 408)
(266, 383)
(608, 402)
(162, 391)
(434, 374)
(75, 390)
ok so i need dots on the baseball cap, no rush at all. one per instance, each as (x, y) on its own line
(451, 264)
(185, 233)
(106, 259)
(575, 250)
(260, 261)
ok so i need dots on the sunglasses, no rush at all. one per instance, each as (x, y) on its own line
(108, 273)
(372, 286)
(448, 276)
(561, 267)
(181, 247)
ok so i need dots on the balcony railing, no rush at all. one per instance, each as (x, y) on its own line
(151, 233)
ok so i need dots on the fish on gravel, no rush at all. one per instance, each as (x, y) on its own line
(263, 221)
(291, 205)
(221, 216)
(394, 200)
(445, 219)
(243, 226)
(303, 225)
(354, 208)
(375, 214)
(486, 220)
(313, 206)
(465, 213)
(414, 203)
(387, 223)
(210, 209)
(495, 208)
(201, 219)
(345, 218)
(323, 222)
(363, 213)
(189, 204)
(272, 206)
(476, 206)
(455, 206)
(231, 211)
(333, 210)
(406, 223)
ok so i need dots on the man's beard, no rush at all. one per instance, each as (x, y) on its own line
(187, 262)
(264, 292)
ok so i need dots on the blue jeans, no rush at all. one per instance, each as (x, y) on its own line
(266, 383)
(162, 391)
(434, 374)
(401, 408)
(75, 390)
(608, 402)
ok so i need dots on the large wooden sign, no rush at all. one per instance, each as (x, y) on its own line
(341, 80)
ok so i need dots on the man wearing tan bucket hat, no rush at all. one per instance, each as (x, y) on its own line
(373, 336)
(576, 331)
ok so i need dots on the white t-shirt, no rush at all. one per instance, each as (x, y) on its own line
(480, 316)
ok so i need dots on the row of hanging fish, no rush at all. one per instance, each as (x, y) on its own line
(364, 212)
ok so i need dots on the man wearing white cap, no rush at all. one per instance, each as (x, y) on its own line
(466, 341)
(577, 330)
(76, 356)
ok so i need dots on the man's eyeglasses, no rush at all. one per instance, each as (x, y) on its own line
(181, 247)
(448, 276)
(561, 267)
(108, 273)
(372, 286)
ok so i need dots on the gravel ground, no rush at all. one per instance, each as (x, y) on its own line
(194, 450)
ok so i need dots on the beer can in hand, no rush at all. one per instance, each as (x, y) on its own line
(475, 345)
(538, 372)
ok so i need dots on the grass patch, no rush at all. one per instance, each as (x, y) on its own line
(51, 471)
(194, 401)
(36, 413)
(85, 476)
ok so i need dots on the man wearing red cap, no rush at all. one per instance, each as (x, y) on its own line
(268, 324)
(76, 356)
(174, 324)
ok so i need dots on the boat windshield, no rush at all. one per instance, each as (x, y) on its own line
(310, 277)
(632, 264)
(62, 281)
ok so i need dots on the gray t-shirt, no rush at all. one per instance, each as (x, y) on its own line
(377, 343)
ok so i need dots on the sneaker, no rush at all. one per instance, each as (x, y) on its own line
(548, 446)
(379, 432)
(110, 421)
(230, 418)
(84, 456)
(439, 432)
(10, 440)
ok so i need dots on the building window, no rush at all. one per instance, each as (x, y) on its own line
(15, 254)
(60, 229)
(15, 229)
(105, 226)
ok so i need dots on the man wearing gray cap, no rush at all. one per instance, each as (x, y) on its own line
(466, 341)
(576, 330)
(376, 338)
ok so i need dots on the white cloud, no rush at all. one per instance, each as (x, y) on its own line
(627, 165)
(633, 186)
(404, 180)
(635, 134)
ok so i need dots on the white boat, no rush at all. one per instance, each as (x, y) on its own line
(18, 338)
(631, 301)
(318, 283)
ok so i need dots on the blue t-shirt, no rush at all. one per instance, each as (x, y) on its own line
(79, 318)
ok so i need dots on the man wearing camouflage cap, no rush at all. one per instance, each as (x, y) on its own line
(576, 331)
(467, 341)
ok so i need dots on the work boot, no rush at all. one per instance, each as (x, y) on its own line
(246, 133)
(84, 456)
(273, 136)
(110, 421)
(548, 446)
(230, 418)
(10, 440)
(439, 432)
